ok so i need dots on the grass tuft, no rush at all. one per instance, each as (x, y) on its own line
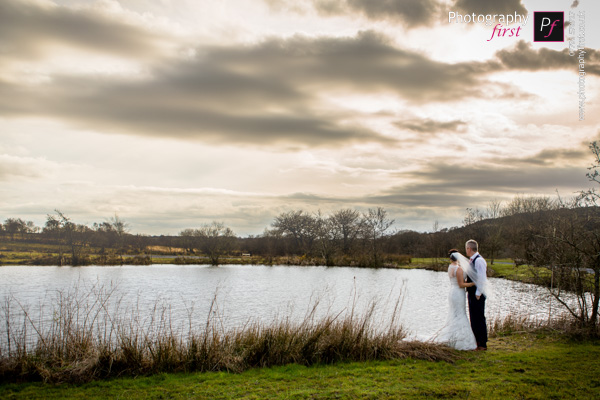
(88, 337)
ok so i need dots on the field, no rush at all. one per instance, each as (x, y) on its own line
(516, 366)
(521, 363)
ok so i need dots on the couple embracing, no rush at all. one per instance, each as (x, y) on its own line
(470, 274)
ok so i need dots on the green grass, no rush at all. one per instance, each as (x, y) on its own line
(521, 273)
(20, 253)
(21, 257)
(527, 366)
(510, 271)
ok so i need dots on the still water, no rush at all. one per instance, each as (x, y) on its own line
(266, 293)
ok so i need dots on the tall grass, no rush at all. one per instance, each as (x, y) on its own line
(565, 325)
(90, 336)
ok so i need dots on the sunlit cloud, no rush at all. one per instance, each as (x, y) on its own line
(174, 114)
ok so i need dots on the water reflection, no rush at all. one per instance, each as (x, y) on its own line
(266, 293)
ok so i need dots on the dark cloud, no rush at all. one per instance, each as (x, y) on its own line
(454, 185)
(524, 57)
(17, 168)
(491, 6)
(449, 185)
(459, 177)
(430, 126)
(368, 62)
(551, 157)
(263, 94)
(27, 28)
(410, 12)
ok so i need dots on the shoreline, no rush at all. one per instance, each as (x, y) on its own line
(528, 365)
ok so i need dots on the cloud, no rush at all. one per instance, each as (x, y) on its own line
(430, 126)
(551, 157)
(263, 94)
(482, 178)
(449, 185)
(29, 29)
(18, 168)
(411, 13)
(523, 57)
(491, 6)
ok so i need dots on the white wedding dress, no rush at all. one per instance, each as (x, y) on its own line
(457, 332)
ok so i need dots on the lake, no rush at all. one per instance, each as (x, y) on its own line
(263, 293)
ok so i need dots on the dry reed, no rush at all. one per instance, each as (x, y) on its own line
(89, 336)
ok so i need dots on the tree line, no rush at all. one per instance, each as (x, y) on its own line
(343, 237)
(557, 239)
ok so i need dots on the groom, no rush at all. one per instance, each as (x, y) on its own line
(476, 299)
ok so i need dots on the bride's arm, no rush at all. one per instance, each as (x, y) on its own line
(461, 279)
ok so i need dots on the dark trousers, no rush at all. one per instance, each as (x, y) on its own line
(477, 316)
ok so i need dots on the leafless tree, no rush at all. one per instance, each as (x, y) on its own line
(14, 226)
(75, 237)
(346, 225)
(568, 243)
(187, 240)
(325, 239)
(494, 209)
(567, 246)
(298, 225)
(214, 240)
(522, 204)
(375, 223)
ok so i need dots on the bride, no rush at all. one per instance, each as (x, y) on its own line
(457, 332)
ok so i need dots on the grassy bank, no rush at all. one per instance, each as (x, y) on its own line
(88, 335)
(21, 253)
(518, 366)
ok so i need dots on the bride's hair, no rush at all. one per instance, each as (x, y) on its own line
(450, 253)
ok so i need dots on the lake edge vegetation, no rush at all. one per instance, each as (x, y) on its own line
(519, 365)
(91, 337)
(556, 240)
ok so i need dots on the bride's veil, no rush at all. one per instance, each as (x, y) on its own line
(480, 281)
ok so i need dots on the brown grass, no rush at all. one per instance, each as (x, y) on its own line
(565, 325)
(89, 337)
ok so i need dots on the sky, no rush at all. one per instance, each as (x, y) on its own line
(176, 113)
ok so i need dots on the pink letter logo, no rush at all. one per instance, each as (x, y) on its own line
(549, 26)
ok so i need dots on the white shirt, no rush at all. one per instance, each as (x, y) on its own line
(481, 268)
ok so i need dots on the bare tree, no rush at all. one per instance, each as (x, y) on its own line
(375, 224)
(325, 237)
(187, 240)
(494, 209)
(120, 229)
(215, 240)
(74, 237)
(568, 244)
(14, 226)
(11, 226)
(495, 230)
(298, 225)
(521, 204)
(346, 226)
(434, 241)
(473, 215)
